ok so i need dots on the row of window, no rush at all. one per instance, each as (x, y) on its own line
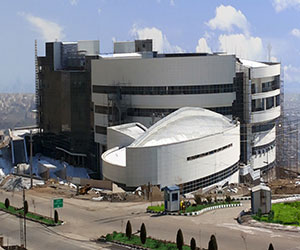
(263, 149)
(194, 157)
(144, 112)
(263, 127)
(101, 130)
(265, 103)
(165, 90)
(266, 86)
(209, 180)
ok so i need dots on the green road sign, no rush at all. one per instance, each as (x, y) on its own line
(58, 203)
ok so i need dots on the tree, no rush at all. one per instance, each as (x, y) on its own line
(6, 203)
(55, 216)
(25, 207)
(212, 245)
(271, 247)
(193, 244)
(179, 239)
(128, 230)
(143, 234)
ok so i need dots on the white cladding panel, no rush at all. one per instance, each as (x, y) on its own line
(124, 47)
(265, 115)
(268, 71)
(263, 138)
(89, 47)
(264, 159)
(169, 71)
(168, 165)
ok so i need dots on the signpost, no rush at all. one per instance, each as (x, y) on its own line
(58, 203)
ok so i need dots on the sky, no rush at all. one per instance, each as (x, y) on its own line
(252, 29)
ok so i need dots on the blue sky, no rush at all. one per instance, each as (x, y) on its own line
(245, 28)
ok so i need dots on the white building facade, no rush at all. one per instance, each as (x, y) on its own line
(145, 87)
(192, 147)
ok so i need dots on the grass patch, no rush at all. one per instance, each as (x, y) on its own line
(161, 208)
(150, 243)
(287, 213)
(29, 215)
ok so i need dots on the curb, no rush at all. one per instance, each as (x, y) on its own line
(197, 212)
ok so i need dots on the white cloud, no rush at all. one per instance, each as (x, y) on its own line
(280, 5)
(227, 17)
(202, 46)
(172, 2)
(243, 46)
(74, 2)
(296, 33)
(160, 41)
(291, 74)
(99, 11)
(49, 31)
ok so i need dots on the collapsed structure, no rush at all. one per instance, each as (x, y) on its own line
(137, 84)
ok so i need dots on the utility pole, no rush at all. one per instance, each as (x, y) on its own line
(31, 181)
(24, 216)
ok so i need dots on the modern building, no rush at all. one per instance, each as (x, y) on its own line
(192, 147)
(145, 87)
(65, 111)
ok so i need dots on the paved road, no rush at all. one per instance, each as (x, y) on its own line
(87, 220)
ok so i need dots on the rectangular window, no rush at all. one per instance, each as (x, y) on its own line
(175, 197)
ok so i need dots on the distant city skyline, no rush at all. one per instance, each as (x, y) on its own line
(245, 28)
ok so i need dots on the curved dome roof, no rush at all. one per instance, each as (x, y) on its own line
(182, 125)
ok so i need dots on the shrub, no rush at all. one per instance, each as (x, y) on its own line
(25, 207)
(271, 247)
(179, 239)
(209, 199)
(271, 215)
(6, 202)
(259, 213)
(109, 237)
(212, 245)
(55, 216)
(198, 199)
(128, 230)
(228, 199)
(143, 234)
(193, 244)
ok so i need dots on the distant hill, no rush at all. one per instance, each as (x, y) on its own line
(15, 110)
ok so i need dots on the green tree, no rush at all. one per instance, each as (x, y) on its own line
(55, 216)
(25, 207)
(271, 247)
(212, 245)
(193, 244)
(6, 202)
(179, 239)
(143, 234)
(128, 230)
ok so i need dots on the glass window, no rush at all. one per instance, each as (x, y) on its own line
(175, 197)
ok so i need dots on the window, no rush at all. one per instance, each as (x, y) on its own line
(175, 197)
(270, 102)
(194, 157)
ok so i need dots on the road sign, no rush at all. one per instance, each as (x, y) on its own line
(58, 203)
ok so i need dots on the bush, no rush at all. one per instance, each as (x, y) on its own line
(198, 199)
(193, 244)
(271, 215)
(271, 247)
(179, 239)
(228, 199)
(259, 213)
(6, 203)
(209, 199)
(128, 230)
(55, 216)
(25, 207)
(143, 234)
(212, 245)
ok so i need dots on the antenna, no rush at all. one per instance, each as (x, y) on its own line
(269, 51)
